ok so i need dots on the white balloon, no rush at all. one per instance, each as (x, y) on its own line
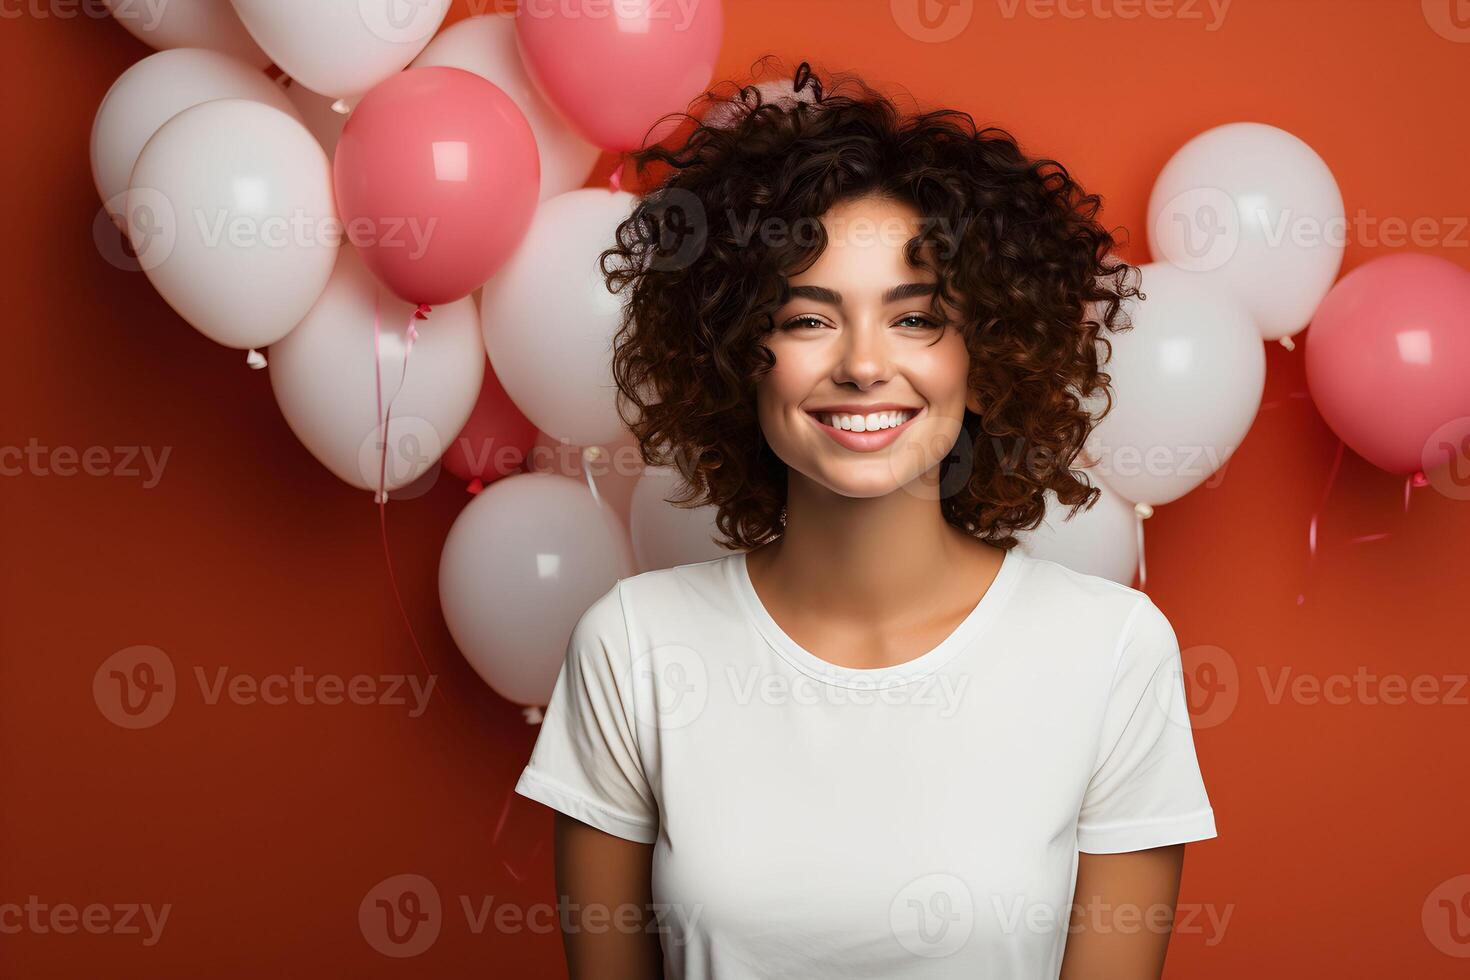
(152, 92)
(342, 48)
(1102, 540)
(1256, 208)
(486, 45)
(231, 214)
(1187, 381)
(323, 377)
(167, 24)
(665, 535)
(522, 563)
(549, 318)
(324, 122)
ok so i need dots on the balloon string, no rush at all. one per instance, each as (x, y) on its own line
(1142, 564)
(500, 820)
(1322, 504)
(1315, 522)
(529, 855)
(1140, 513)
(588, 454)
(385, 416)
(410, 334)
(1415, 479)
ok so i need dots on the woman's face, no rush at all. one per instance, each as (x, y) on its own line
(856, 347)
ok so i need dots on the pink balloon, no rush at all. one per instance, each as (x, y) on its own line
(1388, 357)
(437, 178)
(613, 76)
(496, 439)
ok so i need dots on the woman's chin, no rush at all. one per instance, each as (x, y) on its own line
(878, 477)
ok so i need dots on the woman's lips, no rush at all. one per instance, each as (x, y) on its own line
(864, 442)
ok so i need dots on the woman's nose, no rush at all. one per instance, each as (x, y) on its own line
(863, 359)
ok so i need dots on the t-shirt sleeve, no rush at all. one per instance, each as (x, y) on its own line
(1146, 789)
(585, 762)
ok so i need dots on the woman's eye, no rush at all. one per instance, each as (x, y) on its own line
(913, 320)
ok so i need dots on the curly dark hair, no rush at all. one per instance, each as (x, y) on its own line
(1013, 243)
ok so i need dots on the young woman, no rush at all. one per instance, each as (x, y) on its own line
(875, 740)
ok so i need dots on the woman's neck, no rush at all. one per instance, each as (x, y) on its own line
(876, 558)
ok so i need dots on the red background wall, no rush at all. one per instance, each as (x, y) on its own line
(263, 827)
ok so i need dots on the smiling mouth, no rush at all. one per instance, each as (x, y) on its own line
(851, 430)
(872, 422)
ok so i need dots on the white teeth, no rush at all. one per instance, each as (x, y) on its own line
(866, 423)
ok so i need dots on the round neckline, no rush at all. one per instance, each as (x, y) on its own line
(974, 623)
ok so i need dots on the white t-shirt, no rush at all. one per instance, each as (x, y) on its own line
(919, 821)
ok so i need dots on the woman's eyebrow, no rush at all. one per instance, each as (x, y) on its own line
(832, 297)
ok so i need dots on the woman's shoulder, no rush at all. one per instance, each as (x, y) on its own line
(1074, 600)
(1069, 585)
(1112, 628)
(659, 594)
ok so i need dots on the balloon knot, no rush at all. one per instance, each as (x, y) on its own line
(423, 311)
(1143, 510)
(341, 108)
(615, 181)
(475, 486)
(255, 359)
(533, 715)
(1288, 343)
(380, 497)
(1419, 479)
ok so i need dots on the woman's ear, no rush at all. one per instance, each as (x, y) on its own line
(972, 401)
